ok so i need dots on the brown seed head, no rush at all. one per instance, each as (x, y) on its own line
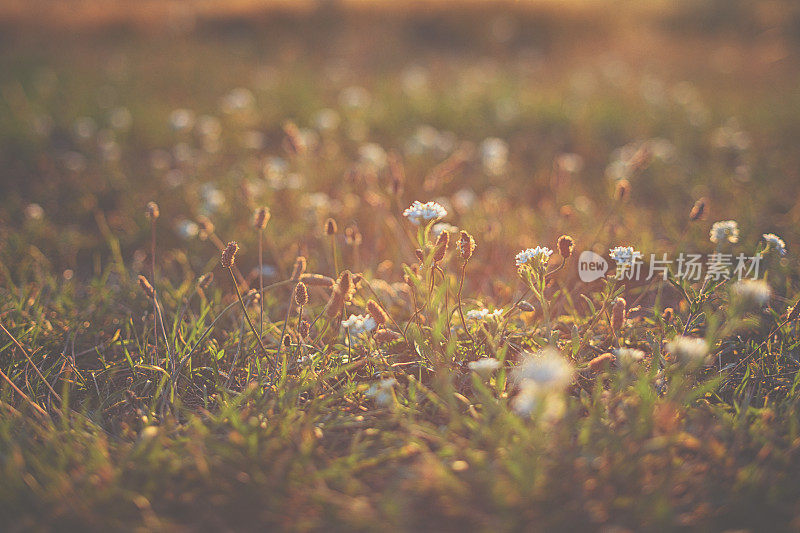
(205, 280)
(666, 316)
(303, 329)
(441, 246)
(618, 313)
(376, 312)
(352, 236)
(147, 289)
(287, 340)
(345, 285)
(565, 246)
(622, 190)
(466, 245)
(299, 268)
(602, 362)
(229, 254)
(526, 306)
(384, 335)
(698, 209)
(261, 218)
(301, 294)
(152, 210)
(330, 227)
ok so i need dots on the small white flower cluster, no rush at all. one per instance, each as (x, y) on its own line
(688, 350)
(775, 243)
(484, 314)
(419, 213)
(484, 366)
(381, 391)
(752, 291)
(359, 324)
(534, 257)
(541, 378)
(724, 230)
(624, 256)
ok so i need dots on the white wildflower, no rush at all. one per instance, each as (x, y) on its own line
(724, 229)
(419, 213)
(688, 350)
(359, 324)
(624, 256)
(484, 366)
(775, 243)
(34, 212)
(484, 314)
(752, 292)
(536, 258)
(381, 391)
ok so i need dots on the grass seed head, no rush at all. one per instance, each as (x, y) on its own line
(352, 236)
(698, 210)
(229, 254)
(376, 312)
(441, 246)
(261, 218)
(152, 210)
(205, 280)
(601, 362)
(618, 313)
(384, 335)
(466, 245)
(303, 329)
(147, 288)
(565, 246)
(330, 227)
(666, 316)
(301, 294)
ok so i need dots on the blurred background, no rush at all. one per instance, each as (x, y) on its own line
(528, 108)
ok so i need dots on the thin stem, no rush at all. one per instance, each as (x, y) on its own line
(153, 268)
(460, 304)
(247, 315)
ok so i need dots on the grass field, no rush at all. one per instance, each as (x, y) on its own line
(351, 364)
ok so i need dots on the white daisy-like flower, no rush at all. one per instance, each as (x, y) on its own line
(359, 324)
(534, 257)
(484, 366)
(624, 256)
(775, 243)
(545, 370)
(752, 291)
(689, 350)
(381, 391)
(484, 314)
(724, 230)
(419, 213)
